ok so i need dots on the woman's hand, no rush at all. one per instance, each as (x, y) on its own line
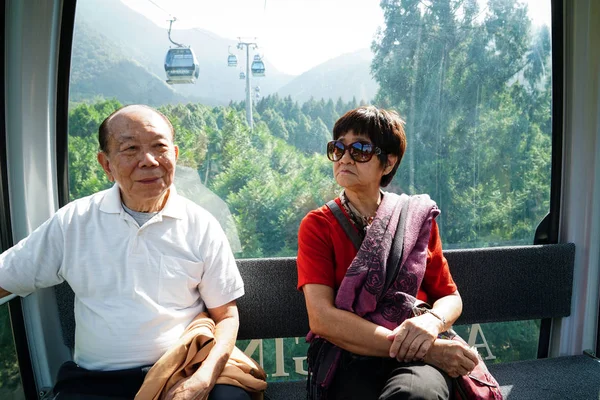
(412, 339)
(452, 357)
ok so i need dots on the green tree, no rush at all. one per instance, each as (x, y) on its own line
(448, 72)
(10, 379)
(276, 124)
(86, 176)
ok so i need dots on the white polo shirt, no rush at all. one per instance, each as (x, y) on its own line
(136, 289)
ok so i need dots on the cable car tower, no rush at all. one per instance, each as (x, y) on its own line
(181, 65)
(257, 69)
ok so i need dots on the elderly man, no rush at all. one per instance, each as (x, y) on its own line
(142, 262)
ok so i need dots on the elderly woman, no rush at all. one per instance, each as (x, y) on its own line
(381, 350)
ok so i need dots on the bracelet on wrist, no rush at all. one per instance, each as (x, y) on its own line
(441, 318)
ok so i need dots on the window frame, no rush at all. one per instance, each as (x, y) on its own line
(547, 231)
(62, 99)
(6, 239)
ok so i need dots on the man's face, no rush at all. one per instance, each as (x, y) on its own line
(141, 158)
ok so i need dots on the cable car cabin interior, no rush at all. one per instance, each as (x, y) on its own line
(549, 281)
(181, 66)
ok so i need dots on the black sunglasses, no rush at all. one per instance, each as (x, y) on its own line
(359, 151)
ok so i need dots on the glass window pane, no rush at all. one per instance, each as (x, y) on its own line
(283, 359)
(503, 341)
(10, 380)
(471, 78)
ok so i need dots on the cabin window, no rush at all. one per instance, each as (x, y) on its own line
(10, 379)
(471, 78)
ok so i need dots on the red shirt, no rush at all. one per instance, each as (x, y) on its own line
(325, 252)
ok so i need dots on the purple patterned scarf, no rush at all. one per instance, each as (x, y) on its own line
(361, 289)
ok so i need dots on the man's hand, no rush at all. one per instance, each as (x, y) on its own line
(4, 293)
(452, 357)
(199, 385)
(413, 338)
(195, 387)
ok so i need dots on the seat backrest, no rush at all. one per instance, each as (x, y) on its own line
(496, 284)
(513, 283)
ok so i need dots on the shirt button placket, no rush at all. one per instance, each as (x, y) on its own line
(135, 242)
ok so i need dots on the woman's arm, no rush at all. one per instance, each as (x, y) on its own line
(414, 337)
(343, 328)
(452, 357)
(448, 309)
(357, 335)
(316, 277)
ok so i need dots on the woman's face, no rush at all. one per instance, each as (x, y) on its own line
(355, 176)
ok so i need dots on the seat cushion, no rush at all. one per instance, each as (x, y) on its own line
(286, 391)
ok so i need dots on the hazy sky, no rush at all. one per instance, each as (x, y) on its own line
(295, 35)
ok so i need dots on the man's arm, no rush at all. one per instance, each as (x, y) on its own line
(4, 293)
(227, 323)
(5, 296)
(199, 385)
(33, 263)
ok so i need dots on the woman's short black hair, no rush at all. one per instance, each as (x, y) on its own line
(384, 128)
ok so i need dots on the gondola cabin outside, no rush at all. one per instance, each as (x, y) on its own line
(257, 93)
(232, 60)
(258, 67)
(181, 66)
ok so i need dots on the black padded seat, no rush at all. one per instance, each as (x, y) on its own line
(517, 283)
(286, 391)
(496, 284)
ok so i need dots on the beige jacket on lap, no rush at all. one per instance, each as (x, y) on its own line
(184, 358)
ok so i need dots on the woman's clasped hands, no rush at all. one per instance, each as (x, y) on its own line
(416, 340)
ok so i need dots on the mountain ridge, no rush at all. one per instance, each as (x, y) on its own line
(111, 39)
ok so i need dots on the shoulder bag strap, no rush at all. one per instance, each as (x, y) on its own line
(395, 257)
(346, 225)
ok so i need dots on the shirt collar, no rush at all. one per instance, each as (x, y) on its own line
(111, 201)
(174, 208)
